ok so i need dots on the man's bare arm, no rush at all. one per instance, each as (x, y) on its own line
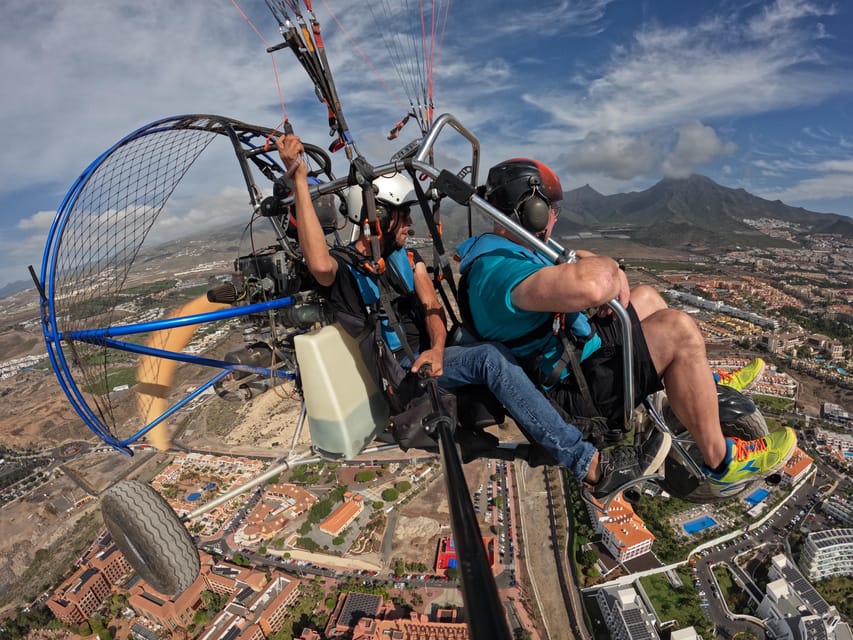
(312, 240)
(435, 321)
(592, 281)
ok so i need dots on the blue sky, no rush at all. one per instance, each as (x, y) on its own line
(612, 93)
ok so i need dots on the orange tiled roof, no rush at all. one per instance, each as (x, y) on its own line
(341, 516)
(798, 463)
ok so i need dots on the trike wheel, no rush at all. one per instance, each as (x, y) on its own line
(151, 537)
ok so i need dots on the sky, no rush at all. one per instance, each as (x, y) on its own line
(617, 94)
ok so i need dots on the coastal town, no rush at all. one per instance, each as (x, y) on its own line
(364, 549)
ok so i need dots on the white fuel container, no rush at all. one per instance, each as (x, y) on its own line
(346, 409)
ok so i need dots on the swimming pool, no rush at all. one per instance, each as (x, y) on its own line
(699, 524)
(757, 496)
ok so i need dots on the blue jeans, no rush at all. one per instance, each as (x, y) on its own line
(493, 365)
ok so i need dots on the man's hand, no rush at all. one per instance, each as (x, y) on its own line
(290, 150)
(624, 297)
(433, 357)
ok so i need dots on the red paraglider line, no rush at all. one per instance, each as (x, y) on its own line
(367, 61)
(272, 59)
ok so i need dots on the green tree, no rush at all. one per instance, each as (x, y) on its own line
(307, 543)
(368, 475)
(390, 495)
(240, 559)
(403, 486)
(589, 557)
(320, 511)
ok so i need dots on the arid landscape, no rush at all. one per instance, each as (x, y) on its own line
(39, 539)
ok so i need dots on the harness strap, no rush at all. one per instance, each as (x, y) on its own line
(442, 263)
(570, 356)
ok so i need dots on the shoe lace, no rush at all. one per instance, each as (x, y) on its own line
(744, 448)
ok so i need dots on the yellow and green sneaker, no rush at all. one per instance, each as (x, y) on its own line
(748, 460)
(741, 379)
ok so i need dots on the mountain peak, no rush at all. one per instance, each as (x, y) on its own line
(695, 211)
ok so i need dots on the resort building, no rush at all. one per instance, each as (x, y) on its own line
(798, 465)
(78, 597)
(297, 499)
(110, 561)
(255, 610)
(254, 615)
(626, 615)
(793, 609)
(362, 616)
(343, 515)
(841, 442)
(828, 553)
(623, 532)
(834, 412)
(839, 507)
(265, 521)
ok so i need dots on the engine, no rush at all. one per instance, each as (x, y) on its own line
(270, 273)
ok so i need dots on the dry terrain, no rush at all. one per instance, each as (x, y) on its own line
(35, 413)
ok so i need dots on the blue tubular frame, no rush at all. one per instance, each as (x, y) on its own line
(104, 336)
(54, 338)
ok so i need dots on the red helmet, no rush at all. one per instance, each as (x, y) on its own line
(524, 188)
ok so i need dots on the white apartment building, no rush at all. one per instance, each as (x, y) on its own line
(839, 507)
(794, 610)
(626, 615)
(828, 553)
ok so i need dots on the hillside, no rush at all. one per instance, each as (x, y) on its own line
(693, 212)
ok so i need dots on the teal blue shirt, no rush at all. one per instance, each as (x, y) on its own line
(493, 267)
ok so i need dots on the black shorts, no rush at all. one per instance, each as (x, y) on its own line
(603, 372)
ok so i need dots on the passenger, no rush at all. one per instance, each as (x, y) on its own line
(342, 283)
(516, 296)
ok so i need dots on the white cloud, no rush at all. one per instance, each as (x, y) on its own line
(845, 166)
(826, 187)
(39, 221)
(616, 155)
(697, 144)
(583, 17)
(715, 68)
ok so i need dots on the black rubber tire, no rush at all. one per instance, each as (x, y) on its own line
(679, 483)
(151, 536)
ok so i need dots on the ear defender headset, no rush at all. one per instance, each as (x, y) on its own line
(533, 210)
(516, 188)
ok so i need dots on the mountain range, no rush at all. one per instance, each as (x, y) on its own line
(694, 213)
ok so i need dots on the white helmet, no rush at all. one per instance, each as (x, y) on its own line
(394, 191)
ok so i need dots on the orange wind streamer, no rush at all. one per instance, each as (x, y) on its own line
(155, 375)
